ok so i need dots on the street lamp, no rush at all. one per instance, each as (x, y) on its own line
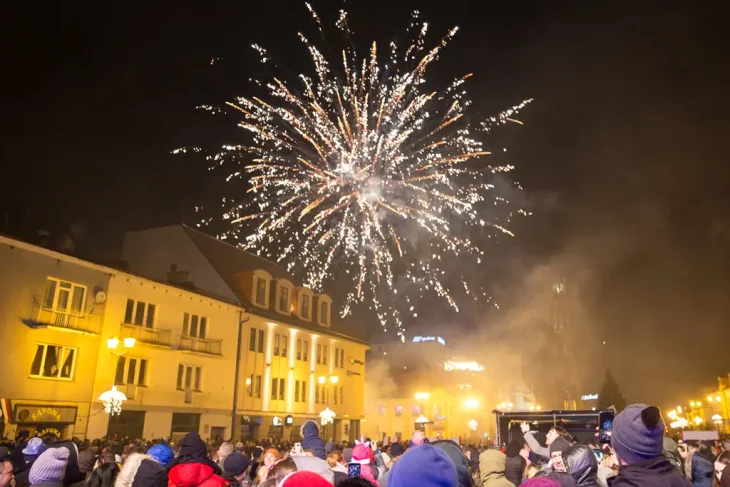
(326, 417)
(113, 342)
(112, 401)
(717, 419)
(698, 421)
(473, 425)
(473, 404)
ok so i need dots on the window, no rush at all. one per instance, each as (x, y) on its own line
(335, 398)
(319, 353)
(324, 312)
(416, 411)
(274, 388)
(324, 354)
(249, 386)
(261, 341)
(252, 341)
(131, 371)
(304, 391)
(381, 410)
(282, 384)
(64, 296)
(189, 377)
(277, 339)
(342, 357)
(305, 355)
(258, 386)
(53, 362)
(261, 291)
(342, 396)
(299, 349)
(284, 345)
(284, 299)
(399, 410)
(296, 391)
(337, 357)
(195, 326)
(305, 306)
(140, 313)
(316, 394)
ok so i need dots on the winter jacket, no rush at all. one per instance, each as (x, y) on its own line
(316, 465)
(460, 461)
(672, 453)
(651, 473)
(563, 479)
(535, 446)
(491, 467)
(582, 465)
(194, 475)
(702, 471)
(514, 469)
(48, 484)
(141, 470)
(311, 439)
(725, 478)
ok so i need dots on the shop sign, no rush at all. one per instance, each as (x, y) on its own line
(49, 431)
(30, 413)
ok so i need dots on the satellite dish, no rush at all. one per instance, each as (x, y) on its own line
(100, 297)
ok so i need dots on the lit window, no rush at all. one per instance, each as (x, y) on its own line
(277, 339)
(53, 362)
(284, 344)
(416, 411)
(305, 355)
(284, 299)
(324, 312)
(261, 291)
(305, 306)
(399, 410)
(299, 349)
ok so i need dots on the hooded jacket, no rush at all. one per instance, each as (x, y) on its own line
(582, 465)
(193, 468)
(460, 461)
(491, 468)
(650, 473)
(702, 470)
(311, 439)
(515, 464)
(141, 470)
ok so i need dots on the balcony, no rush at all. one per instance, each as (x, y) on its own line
(201, 345)
(78, 321)
(151, 336)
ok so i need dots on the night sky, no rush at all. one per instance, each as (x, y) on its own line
(623, 154)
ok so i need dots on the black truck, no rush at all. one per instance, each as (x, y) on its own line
(580, 424)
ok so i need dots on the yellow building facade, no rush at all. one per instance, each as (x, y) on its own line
(180, 374)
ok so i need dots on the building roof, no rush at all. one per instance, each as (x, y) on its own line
(228, 260)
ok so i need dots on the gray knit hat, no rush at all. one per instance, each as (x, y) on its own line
(50, 466)
(638, 433)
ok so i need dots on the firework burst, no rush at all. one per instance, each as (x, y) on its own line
(359, 172)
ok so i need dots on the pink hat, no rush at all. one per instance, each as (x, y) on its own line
(361, 454)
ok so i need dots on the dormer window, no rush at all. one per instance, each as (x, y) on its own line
(305, 306)
(261, 285)
(324, 312)
(283, 299)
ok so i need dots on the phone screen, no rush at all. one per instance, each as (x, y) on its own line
(605, 425)
(598, 454)
(353, 470)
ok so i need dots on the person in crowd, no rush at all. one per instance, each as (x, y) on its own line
(557, 447)
(582, 465)
(530, 471)
(361, 454)
(7, 475)
(33, 448)
(459, 460)
(702, 465)
(671, 451)
(193, 468)
(223, 451)
(544, 451)
(424, 466)
(418, 438)
(73, 476)
(355, 482)
(338, 466)
(270, 457)
(282, 468)
(235, 469)
(87, 459)
(161, 453)
(721, 463)
(140, 470)
(104, 476)
(315, 465)
(515, 464)
(492, 464)
(304, 479)
(49, 468)
(311, 439)
(638, 443)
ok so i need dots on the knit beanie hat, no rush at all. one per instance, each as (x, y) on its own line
(396, 450)
(424, 466)
(273, 451)
(638, 433)
(361, 454)
(162, 454)
(192, 445)
(539, 482)
(559, 444)
(50, 466)
(236, 463)
(304, 479)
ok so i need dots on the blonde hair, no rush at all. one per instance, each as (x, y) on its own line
(334, 458)
(530, 471)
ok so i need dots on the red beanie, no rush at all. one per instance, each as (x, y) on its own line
(304, 478)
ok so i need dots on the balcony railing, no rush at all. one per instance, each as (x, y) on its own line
(67, 319)
(201, 345)
(151, 336)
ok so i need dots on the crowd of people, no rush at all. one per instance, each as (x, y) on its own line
(638, 455)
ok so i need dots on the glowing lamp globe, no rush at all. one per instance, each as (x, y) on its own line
(112, 401)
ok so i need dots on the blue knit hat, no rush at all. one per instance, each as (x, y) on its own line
(638, 433)
(424, 466)
(161, 453)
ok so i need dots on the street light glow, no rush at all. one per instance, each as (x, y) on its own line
(473, 403)
(334, 379)
(698, 420)
(422, 396)
(129, 342)
(112, 343)
(322, 379)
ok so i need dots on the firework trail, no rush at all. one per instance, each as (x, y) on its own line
(358, 172)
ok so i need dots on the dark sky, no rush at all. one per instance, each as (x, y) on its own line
(623, 154)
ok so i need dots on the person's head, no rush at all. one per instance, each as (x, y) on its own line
(104, 476)
(304, 479)
(161, 453)
(50, 466)
(308, 453)
(271, 456)
(6, 471)
(683, 450)
(355, 482)
(638, 434)
(282, 468)
(236, 464)
(418, 438)
(224, 450)
(557, 447)
(530, 471)
(555, 432)
(334, 458)
(409, 470)
(721, 462)
(33, 449)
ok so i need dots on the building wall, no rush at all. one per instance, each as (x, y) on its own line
(24, 270)
(160, 396)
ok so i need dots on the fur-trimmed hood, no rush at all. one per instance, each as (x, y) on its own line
(140, 470)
